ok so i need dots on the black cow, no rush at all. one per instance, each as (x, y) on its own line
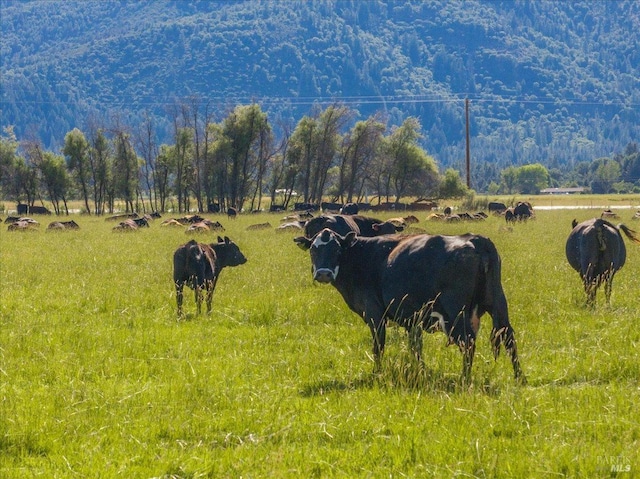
(349, 209)
(232, 213)
(342, 224)
(496, 207)
(521, 212)
(198, 265)
(330, 207)
(24, 209)
(595, 249)
(421, 282)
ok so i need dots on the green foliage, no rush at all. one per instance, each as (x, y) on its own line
(451, 185)
(100, 379)
(549, 81)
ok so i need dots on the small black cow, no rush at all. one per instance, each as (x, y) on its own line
(595, 249)
(343, 224)
(421, 282)
(198, 265)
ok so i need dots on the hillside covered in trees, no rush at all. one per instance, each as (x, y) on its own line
(555, 83)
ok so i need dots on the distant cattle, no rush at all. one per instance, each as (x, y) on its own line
(127, 225)
(259, 226)
(496, 207)
(329, 207)
(521, 212)
(291, 226)
(204, 226)
(274, 208)
(122, 217)
(190, 219)
(22, 224)
(24, 209)
(232, 213)
(349, 209)
(421, 282)
(305, 207)
(609, 215)
(198, 265)
(142, 222)
(636, 216)
(595, 249)
(171, 222)
(342, 224)
(63, 225)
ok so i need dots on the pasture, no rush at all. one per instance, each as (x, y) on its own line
(98, 377)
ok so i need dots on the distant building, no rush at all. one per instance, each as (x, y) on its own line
(562, 191)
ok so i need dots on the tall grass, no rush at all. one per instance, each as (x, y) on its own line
(99, 378)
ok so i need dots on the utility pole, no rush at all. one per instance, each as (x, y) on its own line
(466, 110)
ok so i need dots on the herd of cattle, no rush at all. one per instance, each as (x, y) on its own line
(420, 281)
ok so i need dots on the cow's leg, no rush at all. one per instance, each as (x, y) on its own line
(210, 285)
(608, 284)
(198, 293)
(378, 329)
(179, 296)
(590, 283)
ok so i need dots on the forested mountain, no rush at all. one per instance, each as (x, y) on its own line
(550, 82)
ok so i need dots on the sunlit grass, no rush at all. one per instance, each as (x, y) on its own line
(99, 378)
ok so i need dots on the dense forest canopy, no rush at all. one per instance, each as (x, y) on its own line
(550, 83)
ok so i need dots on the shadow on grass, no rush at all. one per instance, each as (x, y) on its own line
(404, 376)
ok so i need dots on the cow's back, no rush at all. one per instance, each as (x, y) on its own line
(595, 242)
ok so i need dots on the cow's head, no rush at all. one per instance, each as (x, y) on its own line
(228, 252)
(325, 249)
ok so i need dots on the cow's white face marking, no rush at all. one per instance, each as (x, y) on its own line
(320, 242)
(320, 272)
(327, 247)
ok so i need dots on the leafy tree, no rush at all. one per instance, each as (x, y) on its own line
(125, 170)
(607, 172)
(412, 171)
(452, 185)
(532, 178)
(53, 171)
(100, 164)
(509, 179)
(359, 148)
(76, 149)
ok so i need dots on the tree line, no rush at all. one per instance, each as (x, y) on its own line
(236, 162)
(240, 162)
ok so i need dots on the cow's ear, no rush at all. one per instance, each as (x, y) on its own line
(302, 242)
(376, 226)
(227, 240)
(220, 240)
(349, 238)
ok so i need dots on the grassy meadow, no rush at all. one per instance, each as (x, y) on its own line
(98, 377)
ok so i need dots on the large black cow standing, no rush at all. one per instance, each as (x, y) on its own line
(198, 265)
(595, 249)
(421, 282)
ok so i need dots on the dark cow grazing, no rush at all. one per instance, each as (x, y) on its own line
(198, 265)
(232, 213)
(142, 222)
(305, 207)
(521, 212)
(496, 207)
(609, 214)
(421, 282)
(123, 216)
(63, 225)
(342, 224)
(595, 249)
(349, 209)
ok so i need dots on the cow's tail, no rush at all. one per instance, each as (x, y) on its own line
(632, 235)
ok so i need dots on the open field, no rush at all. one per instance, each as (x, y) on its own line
(98, 378)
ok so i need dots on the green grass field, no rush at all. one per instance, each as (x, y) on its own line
(98, 378)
